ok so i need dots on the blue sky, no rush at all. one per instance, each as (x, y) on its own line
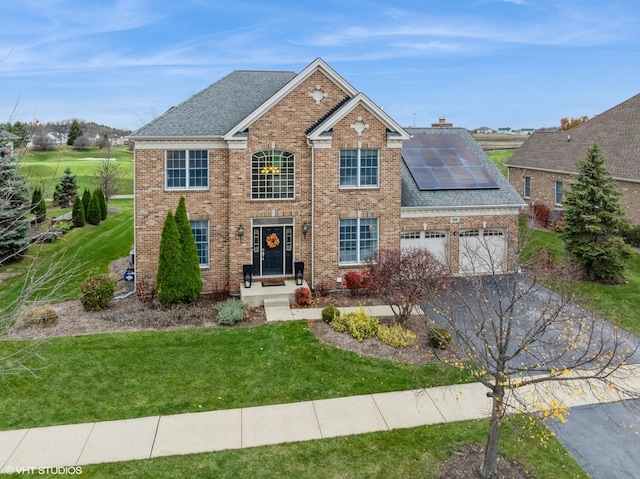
(496, 63)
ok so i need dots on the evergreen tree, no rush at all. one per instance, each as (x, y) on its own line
(77, 214)
(14, 208)
(93, 212)
(192, 282)
(86, 199)
(594, 220)
(102, 201)
(38, 208)
(74, 132)
(169, 277)
(66, 190)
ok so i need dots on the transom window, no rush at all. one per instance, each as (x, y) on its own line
(358, 239)
(187, 169)
(272, 175)
(200, 230)
(358, 168)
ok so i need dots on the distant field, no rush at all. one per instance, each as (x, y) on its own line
(45, 168)
(499, 142)
(499, 157)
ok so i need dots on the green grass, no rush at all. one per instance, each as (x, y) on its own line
(404, 453)
(114, 376)
(90, 248)
(45, 168)
(499, 157)
(619, 304)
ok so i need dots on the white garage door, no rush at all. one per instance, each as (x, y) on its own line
(482, 251)
(433, 241)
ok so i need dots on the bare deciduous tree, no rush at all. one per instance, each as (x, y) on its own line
(108, 174)
(531, 347)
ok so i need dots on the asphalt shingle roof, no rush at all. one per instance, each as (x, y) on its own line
(504, 195)
(617, 132)
(215, 110)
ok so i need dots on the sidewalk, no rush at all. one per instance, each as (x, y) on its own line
(147, 437)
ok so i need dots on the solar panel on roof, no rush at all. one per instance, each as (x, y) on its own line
(444, 161)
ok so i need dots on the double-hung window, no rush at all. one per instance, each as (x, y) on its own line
(358, 239)
(200, 230)
(359, 168)
(527, 187)
(558, 192)
(187, 169)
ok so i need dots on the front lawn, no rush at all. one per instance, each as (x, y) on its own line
(115, 376)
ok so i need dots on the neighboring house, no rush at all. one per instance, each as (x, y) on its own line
(279, 168)
(525, 131)
(483, 130)
(56, 138)
(542, 167)
(10, 139)
(505, 131)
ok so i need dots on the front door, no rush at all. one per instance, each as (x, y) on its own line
(272, 250)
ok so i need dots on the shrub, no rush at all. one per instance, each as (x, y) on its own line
(63, 227)
(632, 236)
(439, 338)
(39, 316)
(303, 296)
(77, 214)
(93, 213)
(330, 313)
(396, 336)
(231, 311)
(542, 214)
(357, 323)
(102, 202)
(97, 291)
(353, 281)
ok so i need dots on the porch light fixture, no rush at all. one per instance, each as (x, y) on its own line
(247, 280)
(305, 228)
(299, 278)
(241, 231)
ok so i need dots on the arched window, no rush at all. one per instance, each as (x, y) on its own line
(272, 175)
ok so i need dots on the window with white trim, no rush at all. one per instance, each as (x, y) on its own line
(359, 168)
(200, 230)
(358, 239)
(272, 175)
(558, 192)
(526, 190)
(187, 169)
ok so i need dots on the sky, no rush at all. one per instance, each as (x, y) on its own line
(495, 63)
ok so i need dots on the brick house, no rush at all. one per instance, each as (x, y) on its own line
(280, 168)
(542, 167)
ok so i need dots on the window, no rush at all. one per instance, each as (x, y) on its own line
(272, 175)
(187, 169)
(358, 239)
(527, 187)
(558, 199)
(200, 231)
(358, 168)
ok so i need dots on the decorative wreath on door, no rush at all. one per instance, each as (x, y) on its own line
(273, 240)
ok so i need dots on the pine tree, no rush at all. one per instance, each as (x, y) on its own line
(103, 204)
(169, 277)
(75, 132)
(77, 214)
(86, 199)
(66, 190)
(93, 213)
(38, 208)
(192, 282)
(594, 220)
(14, 208)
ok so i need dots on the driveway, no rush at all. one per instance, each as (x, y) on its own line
(603, 438)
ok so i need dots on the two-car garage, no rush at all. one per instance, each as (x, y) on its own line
(480, 251)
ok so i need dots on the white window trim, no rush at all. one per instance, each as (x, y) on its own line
(208, 243)
(358, 186)
(555, 193)
(358, 241)
(186, 187)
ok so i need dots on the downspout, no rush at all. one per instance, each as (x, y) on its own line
(313, 209)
